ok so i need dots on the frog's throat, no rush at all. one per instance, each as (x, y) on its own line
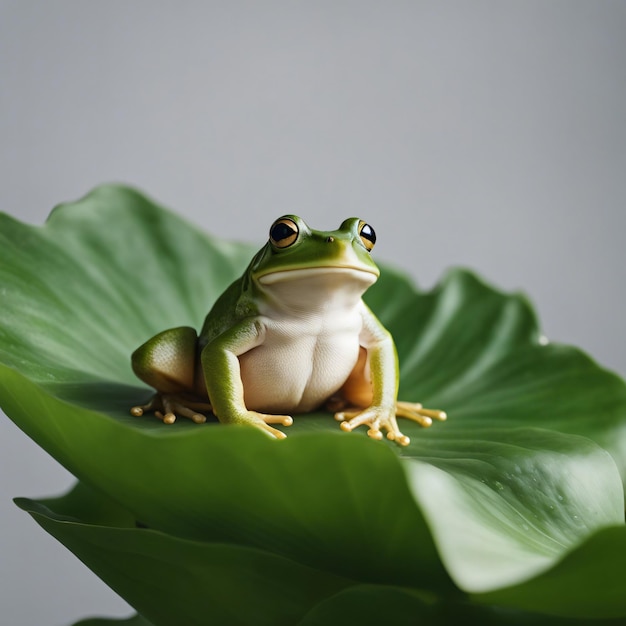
(361, 273)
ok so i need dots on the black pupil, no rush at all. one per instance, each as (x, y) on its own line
(368, 232)
(282, 231)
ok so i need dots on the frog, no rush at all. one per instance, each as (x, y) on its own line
(290, 336)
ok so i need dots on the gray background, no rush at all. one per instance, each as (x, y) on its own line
(484, 134)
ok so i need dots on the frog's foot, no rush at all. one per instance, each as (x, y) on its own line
(167, 407)
(380, 419)
(377, 418)
(263, 421)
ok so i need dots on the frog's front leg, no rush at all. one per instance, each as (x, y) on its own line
(222, 373)
(373, 386)
(167, 362)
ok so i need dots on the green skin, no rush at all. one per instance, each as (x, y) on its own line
(291, 335)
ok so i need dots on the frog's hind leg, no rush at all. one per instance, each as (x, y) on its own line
(168, 362)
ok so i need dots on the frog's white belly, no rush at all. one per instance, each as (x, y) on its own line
(300, 363)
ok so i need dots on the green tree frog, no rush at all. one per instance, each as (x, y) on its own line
(290, 336)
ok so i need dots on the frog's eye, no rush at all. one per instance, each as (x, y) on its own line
(283, 232)
(367, 234)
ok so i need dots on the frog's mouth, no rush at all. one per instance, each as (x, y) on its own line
(344, 273)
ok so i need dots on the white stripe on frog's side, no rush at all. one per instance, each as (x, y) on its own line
(311, 328)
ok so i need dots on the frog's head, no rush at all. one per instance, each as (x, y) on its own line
(334, 259)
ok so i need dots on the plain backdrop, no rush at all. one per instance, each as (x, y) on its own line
(488, 134)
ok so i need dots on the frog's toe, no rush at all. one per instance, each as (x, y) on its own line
(396, 436)
(168, 407)
(274, 432)
(355, 418)
(140, 409)
(378, 420)
(175, 407)
(415, 412)
(167, 418)
(263, 421)
(185, 411)
(283, 420)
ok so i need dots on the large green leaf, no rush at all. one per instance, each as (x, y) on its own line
(479, 354)
(504, 511)
(174, 580)
(502, 496)
(591, 578)
(101, 276)
(352, 509)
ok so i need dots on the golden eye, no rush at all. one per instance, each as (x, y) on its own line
(283, 233)
(367, 234)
